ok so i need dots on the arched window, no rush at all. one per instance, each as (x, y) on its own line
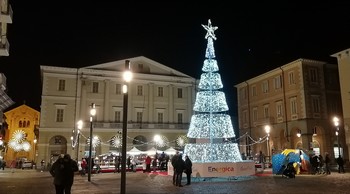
(20, 124)
(28, 123)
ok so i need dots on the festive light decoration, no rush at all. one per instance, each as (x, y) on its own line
(116, 141)
(18, 141)
(182, 140)
(19, 136)
(95, 141)
(211, 127)
(161, 141)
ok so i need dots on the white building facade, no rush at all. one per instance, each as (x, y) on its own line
(160, 102)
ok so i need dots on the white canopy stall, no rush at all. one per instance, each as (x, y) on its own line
(134, 151)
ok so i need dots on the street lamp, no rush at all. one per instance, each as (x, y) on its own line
(267, 130)
(127, 78)
(80, 127)
(299, 133)
(336, 124)
(92, 114)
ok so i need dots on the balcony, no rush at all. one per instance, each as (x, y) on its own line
(131, 125)
(4, 48)
(264, 121)
(6, 17)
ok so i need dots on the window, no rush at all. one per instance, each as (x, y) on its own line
(61, 85)
(316, 104)
(117, 116)
(245, 116)
(279, 109)
(266, 111)
(118, 89)
(293, 105)
(254, 93)
(313, 75)
(278, 82)
(179, 92)
(291, 78)
(244, 93)
(139, 90)
(160, 117)
(265, 86)
(139, 117)
(179, 117)
(58, 140)
(59, 115)
(94, 87)
(255, 113)
(160, 91)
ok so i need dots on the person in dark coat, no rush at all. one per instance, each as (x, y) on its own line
(340, 163)
(173, 163)
(188, 169)
(63, 172)
(180, 166)
(327, 162)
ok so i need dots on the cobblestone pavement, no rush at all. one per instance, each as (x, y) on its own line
(32, 181)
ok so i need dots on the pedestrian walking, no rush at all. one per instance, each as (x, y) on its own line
(42, 167)
(340, 163)
(128, 162)
(327, 161)
(180, 166)
(3, 165)
(117, 162)
(173, 161)
(148, 163)
(63, 172)
(154, 164)
(83, 166)
(188, 169)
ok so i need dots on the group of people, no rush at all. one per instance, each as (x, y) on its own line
(63, 172)
(321, 165)
(181, 166)
(84, 165)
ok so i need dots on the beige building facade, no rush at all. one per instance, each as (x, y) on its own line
(343, 58)
(21, 134)
(160, 102)
(298, 101)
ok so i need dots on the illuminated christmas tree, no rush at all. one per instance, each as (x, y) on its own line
(211, 133)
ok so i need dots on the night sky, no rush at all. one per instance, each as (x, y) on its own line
(252, 38)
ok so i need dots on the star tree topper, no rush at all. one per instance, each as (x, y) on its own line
(210, 30)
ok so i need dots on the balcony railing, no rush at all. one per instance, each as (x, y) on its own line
(131, 125)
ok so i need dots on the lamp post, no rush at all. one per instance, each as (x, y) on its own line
(267, 130)
(127, 78)
(34, 150)
(80, 127)
(336, 124)
(92, 114)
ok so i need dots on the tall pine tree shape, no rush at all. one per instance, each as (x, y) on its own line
(211, 133)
